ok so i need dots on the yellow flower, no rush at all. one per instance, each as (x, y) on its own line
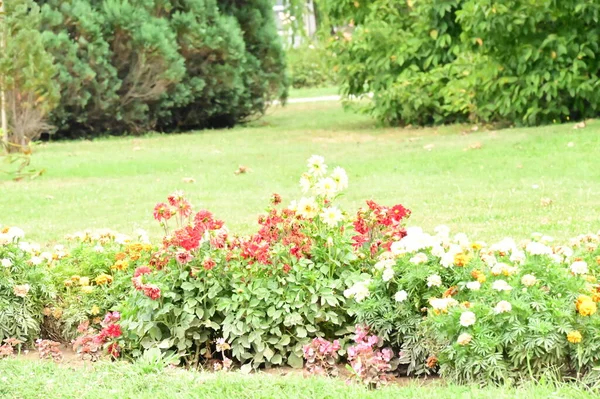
(95, 310)
(590, 279)
(57, 313)
(479, 276)
(120, 265)
(68, 283)
(87, 289)
(585, 305)
(461, 259)
(476, 246)
(84, 281)
(75, 278)
(103, 279)
(574, 337)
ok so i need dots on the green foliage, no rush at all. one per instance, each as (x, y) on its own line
(128, 66)
(25, 287)
(450, 61)
(309, 65)
(27, 72)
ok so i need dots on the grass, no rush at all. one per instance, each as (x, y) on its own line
(40, 380)
(313, 92)
(488, 193)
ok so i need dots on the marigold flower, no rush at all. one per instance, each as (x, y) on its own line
(528, 280)
(574, 337)
(87, 289)
(401, 296)
(84, 281)
(464, 339)
(120, 256)
(474, 285)
(596, 297)
(21, 290)
(579, 267)
(57, 313)
(103, 279)
(95, 310)
(598, 260)
(467, 319)
(503, 307)
(434, 280)
(585, 305)
(461, 259)
(120, 265)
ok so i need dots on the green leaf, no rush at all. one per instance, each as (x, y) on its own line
(295, 361)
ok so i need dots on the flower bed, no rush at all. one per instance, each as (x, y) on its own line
(314, 283)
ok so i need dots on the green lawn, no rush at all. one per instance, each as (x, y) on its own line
(488, 193)
(42, 380)
(313, 92)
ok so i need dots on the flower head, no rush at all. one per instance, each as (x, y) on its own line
(434, 281)
(331, 216)
(503, 307)
(340, 178)
(528, 280)
(579, 267)
(21, 290)
(316, 165)
(419, 258)
(501, 285)
(467, 319)
(473, 285)
(326, 187)
(6, 262)
(464, 339)
(401, 296)
(574, 337)
(307, 208)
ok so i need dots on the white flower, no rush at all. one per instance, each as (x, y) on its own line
(503, 307)
(293, 206)
(358, 291)
(143, 236)
(442, 230)
(331, 216)
(579, 267)
(340, 177)
(326, 187)
(464, 339)
(462, 239)
(467, 319)
(489, 260)
(384, 264)
(474, 285)
(517, 257)
(122, 238)
(401, 296)
(6, 262)
(15, 233)
(388, 274)
(419, 258)
(397, 248)
(528, 280)
(98, 248)
(305, 182)
(565, 251)
(439, 303)
(546, 239)
(501, 285)
(448, 259)
(438, 251)
(36, 260)
(316, 165)
(537, 248)
(307, 207)
(415, 240)
(505, 246)
(434, 281)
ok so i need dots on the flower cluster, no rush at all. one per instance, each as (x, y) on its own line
(370, 365)
(90, 341)
(377, 226)
(321, 356)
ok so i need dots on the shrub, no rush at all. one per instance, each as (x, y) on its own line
(452, 61)
(25, 285)
(309, 65)
(129, 66)
(485, 314)
(370, 365)
(321, 356)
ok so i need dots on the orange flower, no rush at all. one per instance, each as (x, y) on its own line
(461, 259)
(585, 305)
(120, 265)
(103, 279)
(598, 260)
(120, 256)
(450, 292)
(432, 361)
(574, 337)
(479, 276)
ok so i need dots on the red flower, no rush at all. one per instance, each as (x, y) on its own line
(208, 264)
(398, 212)
(188, 238)
(114, 350)
(141, 271)
(114, 331)
(286, 268)
(276, 199)
(151, 291)
(162, 211)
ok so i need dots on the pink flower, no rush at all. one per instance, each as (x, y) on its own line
(208, 264)
(151, 291)
(114, 331)
(141, 271)
(183, 257)
(162, 212)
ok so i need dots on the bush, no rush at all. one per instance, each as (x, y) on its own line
(130, 66)
(460, 60)
(310, 66)
(25, 285)
(486, 314)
